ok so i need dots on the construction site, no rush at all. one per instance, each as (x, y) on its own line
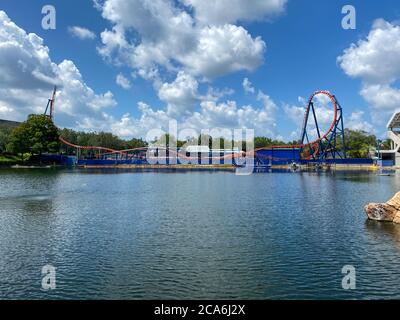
(317, 149)
(326, 150)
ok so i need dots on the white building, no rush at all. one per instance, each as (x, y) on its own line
(394, 135)
(207, 150)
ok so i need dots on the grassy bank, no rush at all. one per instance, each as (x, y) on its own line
(8, 160)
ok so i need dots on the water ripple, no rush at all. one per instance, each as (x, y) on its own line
(197, 235)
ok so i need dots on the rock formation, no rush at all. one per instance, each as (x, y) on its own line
(389, 211)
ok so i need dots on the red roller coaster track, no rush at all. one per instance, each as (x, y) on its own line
(313, 145)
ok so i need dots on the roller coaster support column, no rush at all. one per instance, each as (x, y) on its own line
(343, 133)
(338, 132)
(325, 146)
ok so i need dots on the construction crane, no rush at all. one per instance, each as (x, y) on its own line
(50, 104)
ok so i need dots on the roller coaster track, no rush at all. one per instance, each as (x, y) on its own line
(62, 140)
(314, 147)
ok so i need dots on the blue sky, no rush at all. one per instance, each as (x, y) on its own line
(303, 40)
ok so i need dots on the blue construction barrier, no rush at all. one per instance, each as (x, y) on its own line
(386, 163)
(59, 159)
(267, 157)
(110, 162)
(293, 155)
(278, 156)
(347, 161)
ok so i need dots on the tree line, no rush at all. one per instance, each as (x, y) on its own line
(38, 135)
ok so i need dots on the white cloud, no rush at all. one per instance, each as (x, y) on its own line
(28, 75)
(376, 61)
(154, 36)
(212, 115)
(24, 61)
(247, 86)
(113, 42)
(356, 121)
(5, 112)
(294, 113)
(168, 36)
(97, 4)
(381, 96)
(123, 82)
(231, 11)
(222, 50)
(229, 115)
(149, 119)
(269, 104)
(162, 30)
(215, 94)
(82, 33)
(180, 95)
(80, 107)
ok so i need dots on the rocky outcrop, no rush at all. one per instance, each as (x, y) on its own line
(389, 211)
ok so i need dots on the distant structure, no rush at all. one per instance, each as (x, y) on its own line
(4, 124)
(206, 151)
(326, 145)
(49, 112)
(394, 135)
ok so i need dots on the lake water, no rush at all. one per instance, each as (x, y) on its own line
(121, 235)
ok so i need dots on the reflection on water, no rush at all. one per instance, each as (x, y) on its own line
(384, 231)
(136, 235)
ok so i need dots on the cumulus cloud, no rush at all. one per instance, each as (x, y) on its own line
(167, 36)
(82, 33)
(231, 11)
(247, 86)
(376, 61)
(228, 114)
(294, 113)
(181, 95)
(356, 121)
(215, 94)
(211, 116)
(381, 96)
(27, 75)
(24, 61)
(6, 111)
(75, 97)
(78, 106)
(160, 37)
(269, 104)
(222, 50)
(122, 81)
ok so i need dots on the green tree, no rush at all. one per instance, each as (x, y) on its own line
(4, 138)
(18, 140)
(263, 142)
(386, 144)
(135, 143)
(165, 140)
(358, 143)
(37, 135)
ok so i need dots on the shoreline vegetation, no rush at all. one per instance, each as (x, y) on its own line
(23, 143)
(9, 160)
